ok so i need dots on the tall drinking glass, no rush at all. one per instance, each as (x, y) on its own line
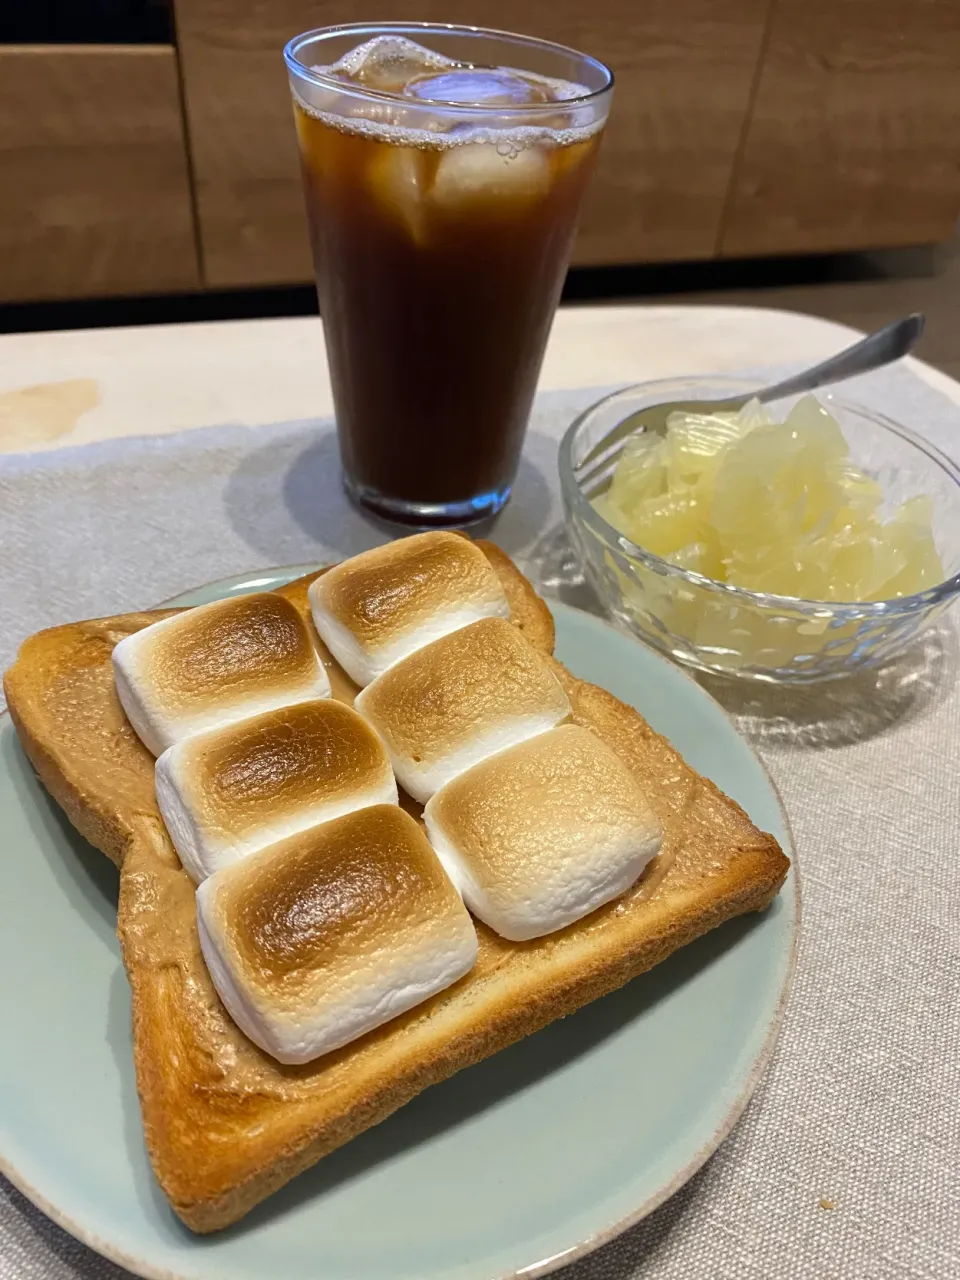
(444, 169)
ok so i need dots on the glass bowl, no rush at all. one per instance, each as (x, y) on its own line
(728, 630)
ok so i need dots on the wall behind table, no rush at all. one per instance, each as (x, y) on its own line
(684, 73)
(739, 128)
(853, 140)
(93, 170)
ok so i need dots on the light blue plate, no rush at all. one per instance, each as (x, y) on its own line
(519, 1164)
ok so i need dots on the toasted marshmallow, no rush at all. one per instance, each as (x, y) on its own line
(453, 703)
(376, 609)
(226, 793)
(318, 940)
(542, 834)
(215, 664)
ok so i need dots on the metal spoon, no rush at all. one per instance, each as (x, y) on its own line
(873, 352)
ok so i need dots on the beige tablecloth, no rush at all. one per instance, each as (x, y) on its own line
(846, 1161)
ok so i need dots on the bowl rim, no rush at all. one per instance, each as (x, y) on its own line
(577, 500)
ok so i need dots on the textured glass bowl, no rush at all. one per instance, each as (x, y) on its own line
(728, 630)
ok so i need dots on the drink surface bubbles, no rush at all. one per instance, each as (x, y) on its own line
(429, 81)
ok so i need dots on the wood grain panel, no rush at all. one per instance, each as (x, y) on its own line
(93, 164)
(684, 70)
(854, 139)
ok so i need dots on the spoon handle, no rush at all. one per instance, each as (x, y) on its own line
(873, 352)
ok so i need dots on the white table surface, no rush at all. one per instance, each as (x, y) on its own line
(858, 1113)
(154, 379)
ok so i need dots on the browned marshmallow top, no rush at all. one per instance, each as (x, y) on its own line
(463, 697)
(225, 653)
(558, 801)
(376, 608)
(324, 909)
(396, 587)
(460, 686)
(259, 773)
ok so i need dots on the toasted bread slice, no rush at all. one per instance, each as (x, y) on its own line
(225, 1124)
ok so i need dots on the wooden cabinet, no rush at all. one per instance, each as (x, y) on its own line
(739, 128)
(853, 141)
(684, 70)
(93, 169)
(246, 171)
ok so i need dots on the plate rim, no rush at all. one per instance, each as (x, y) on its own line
(604, 1235)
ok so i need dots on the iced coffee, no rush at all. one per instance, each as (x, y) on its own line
(443, 173)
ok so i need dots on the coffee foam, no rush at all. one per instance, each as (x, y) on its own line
(508, 139)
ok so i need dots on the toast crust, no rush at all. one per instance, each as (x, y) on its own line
(225, 1124)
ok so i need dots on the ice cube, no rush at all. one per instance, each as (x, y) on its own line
(396, 181)
(475, 171)
(385, 117)
(477, 87)
(388, 63)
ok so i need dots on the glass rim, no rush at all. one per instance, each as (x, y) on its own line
(848, 609)
(369, 29)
